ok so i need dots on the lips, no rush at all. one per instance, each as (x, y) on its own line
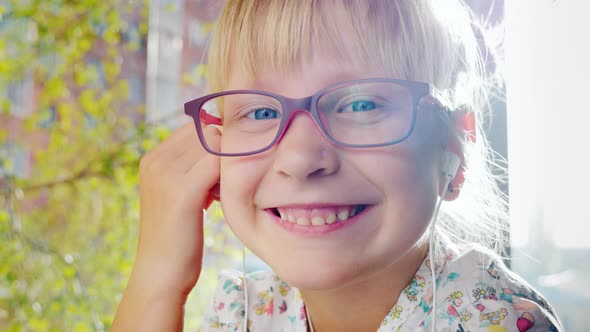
(318, 216)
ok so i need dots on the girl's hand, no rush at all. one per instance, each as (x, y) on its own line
(178, 179)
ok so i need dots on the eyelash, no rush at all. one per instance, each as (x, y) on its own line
(374, 104)
(348, 101)
(253, 112)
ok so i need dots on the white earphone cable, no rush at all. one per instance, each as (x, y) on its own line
(245, 290)
(431, 258)
(452, 163)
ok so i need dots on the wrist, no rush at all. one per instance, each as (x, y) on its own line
(147, 307)
(156, 289)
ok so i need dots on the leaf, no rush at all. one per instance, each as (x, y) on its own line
(453, 276)
(112, 70)
(82, 327)
(4, 217)
(55, 88)
(69, 272)
(38, 324)
(81, 197)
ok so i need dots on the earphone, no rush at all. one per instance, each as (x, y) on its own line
(450, 166)
(451, 163)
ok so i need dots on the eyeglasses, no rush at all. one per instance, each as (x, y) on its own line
(358, 114)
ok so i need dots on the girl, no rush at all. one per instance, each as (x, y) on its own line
(336, 130)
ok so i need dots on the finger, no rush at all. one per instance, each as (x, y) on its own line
(187, 147)
(177, 142)
(181, 132)
(191, 154)
(209, 167)
(205, 176)
(187, 160)
(213, 137)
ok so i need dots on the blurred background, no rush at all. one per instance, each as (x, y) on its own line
(88, 86)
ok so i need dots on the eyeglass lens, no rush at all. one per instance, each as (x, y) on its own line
(358, 114)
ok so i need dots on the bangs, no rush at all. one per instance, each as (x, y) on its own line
(279, 36)
(404, 39)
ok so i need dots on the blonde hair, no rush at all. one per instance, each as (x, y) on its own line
(423, 40)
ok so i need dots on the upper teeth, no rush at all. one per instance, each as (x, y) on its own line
(318, 217)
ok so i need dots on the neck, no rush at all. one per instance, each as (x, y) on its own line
(362, 305)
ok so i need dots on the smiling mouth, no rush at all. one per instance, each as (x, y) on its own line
(318, 216)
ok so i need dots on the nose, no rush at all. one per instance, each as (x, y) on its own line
(303, 152)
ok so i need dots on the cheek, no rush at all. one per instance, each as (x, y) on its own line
(408, 177)
(410, 196)
(423, 152)
(237, 181)
(233, 195)
(402, 167)
(238, 185)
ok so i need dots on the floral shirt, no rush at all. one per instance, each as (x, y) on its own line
(474, 293)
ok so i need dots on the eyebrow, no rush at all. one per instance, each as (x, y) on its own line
(342, 76)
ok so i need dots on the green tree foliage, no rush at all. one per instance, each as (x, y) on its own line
(68, 229)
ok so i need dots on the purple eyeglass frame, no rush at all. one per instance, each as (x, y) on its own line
(291, 106)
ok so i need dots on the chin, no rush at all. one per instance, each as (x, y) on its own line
(305, 280)
(316, 274)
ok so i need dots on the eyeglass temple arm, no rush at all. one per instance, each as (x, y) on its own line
(209, 119)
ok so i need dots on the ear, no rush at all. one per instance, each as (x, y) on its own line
(213, 196)
(464, 125)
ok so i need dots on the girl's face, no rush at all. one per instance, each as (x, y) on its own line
(397, 184)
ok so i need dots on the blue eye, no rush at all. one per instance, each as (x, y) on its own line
(359, 106)
(263, 114)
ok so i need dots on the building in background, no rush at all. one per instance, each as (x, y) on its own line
(21, 97)
(179, 32)
(165, 72)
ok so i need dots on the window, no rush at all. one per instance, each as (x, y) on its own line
(548, 117)
(136, 89)
(197, 34)
(170, 13)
